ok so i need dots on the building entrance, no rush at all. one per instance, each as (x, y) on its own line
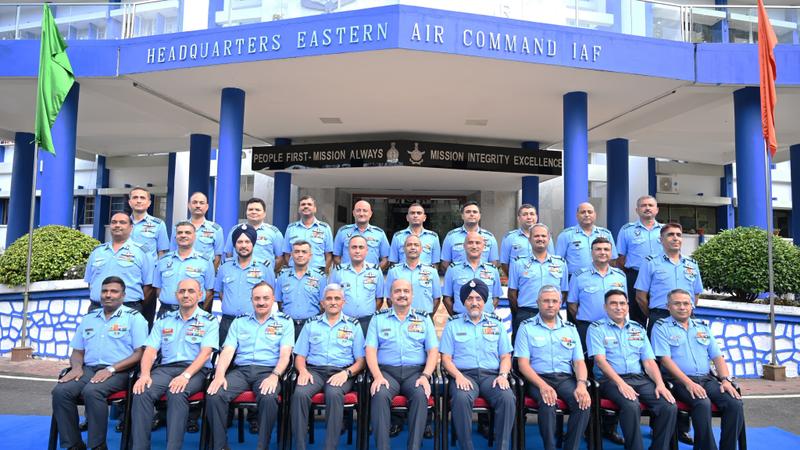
(389, 211)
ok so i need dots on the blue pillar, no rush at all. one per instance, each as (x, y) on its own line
(102, 203)
(171, 188)
(59, 171)
(212, 189)
(725, 217)
(652, 178)
(229, 157)
(19, 203)
(617, 184)
(750, 158)
(576, 154)
(720, 31)
(199, 163)
(281, 194)
(794, 152)
(530, 183)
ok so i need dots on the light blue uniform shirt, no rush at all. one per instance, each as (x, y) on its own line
(636, 242)
(425, 284)
(453, 247)
(576, 247)
(180, 341)
(377, 244)
(431, 249)
(402, 343)
(360, 288)
(106, 342)
(624, 348)
(171, 270)
(151, 234)
(268, 244)
(691, 349)
(527, 275)
(588, 289)
(475, 346)
(460, 274)
(549, 350)
(319, 235)
(260, 343)
(337, 345)
(300, 297)
(516, 245)
(209, 242)
(659, 275)
(236, 284)
(130, 263)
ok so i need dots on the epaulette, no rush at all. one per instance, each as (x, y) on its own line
(493, 316)
(165, 255)
(431, 232)
(281, 315)
(581, 271)
(382, 311)
(454, 317)
(264, 262)
(604, 229)
(230, 259)
(427, 266)
(351, 319)
(100, 245)
(569, 324)
(215, 226)
(483, 230)
(521, 257)
(628, 225)
(690, 259)
(370, 265)
(319, 270)
(617, 269)
(661, 321)
(529, 319)
(398, 232)
(597, 323)
(243, 315)
(651, 257)
(397, 264)
(317, 317)
(130, 311)
(207, 315)
(285, 269)
(324, 224)
(274, 228)
(511, 231)
(454, 230)
(558, 257)
(135, 244)
(421, 313)
(156, 219)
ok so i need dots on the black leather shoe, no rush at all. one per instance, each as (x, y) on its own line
(83, 426)
(157, 423)
(684, 438)
(120, 427)
(428, 434)
(100, 447)
(80, 446)
(191, 426)
(394, 430)
(614, 437)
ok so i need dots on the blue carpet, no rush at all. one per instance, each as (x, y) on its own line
(31, 433)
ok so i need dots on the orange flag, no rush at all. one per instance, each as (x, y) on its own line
(767, 75)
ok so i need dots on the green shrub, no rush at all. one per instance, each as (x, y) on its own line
(735, 262)
(55, 250)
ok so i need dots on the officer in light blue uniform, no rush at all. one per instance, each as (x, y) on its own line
(106, 344)
(121, 257)
(476, 353)
(329, 352)
(185, 339)
(550, 357)
(148, 231)
(299, 287)
(377, 242)
(431, 248)
(516, 243)
(260, 346)
(210, 240)
(311, 230)
(621, 349)
(362, 283)
(179, 265)
(425, 282)
(685, 347)
(269, 245)
(453, 247)
(460, 274)
(574, 243)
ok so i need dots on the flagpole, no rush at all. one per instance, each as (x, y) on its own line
(768, 190)
(26, 295)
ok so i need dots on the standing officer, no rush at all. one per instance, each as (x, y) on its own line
(453, 249)
(431, 249)
(311, 230)
(459, 274)
(377, 244)
(424, 278)
(186, 338)
(620, 349)
(328, 353)
(299, 287)
(662, 273)
(574, 242)
(402, 352)
(181, 264)
(516, 243)
(124, 258)
(476, 353)
(527, 275)
(106, 344)
(638, 240)
(361, 281)
(151, 234)
(550, 357)
(238, 276)
(262, 345)
(210, 241)
(268, 245)
(685, 346)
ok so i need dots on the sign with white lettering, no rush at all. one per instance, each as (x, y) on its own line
(407, 153)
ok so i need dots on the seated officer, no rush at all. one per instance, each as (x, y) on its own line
(424, 278)
(620, 349)
(186, 338)
(402, 352)
(476, 353)
(180, 264)
(106, 344)
(328, 353)
(685, 346)
(458, 274)
(361, 281)
(298, 288)
(550, 357)
(262, 344)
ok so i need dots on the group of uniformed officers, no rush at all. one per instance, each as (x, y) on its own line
(330, 325)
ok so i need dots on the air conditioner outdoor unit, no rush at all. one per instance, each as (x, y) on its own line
(667, 184)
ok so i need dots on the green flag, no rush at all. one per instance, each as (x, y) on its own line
(55, 80)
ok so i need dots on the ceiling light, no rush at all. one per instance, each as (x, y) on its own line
(330, 120)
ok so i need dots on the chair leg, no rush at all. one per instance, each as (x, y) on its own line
(350, 427)
(126, 425)
(240, 423)
(53, 442)
(743, 437)
(559, 430)
(311, 425)
(491, 428)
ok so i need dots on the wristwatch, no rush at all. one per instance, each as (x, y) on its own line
(729, 379)
(584, 382)
(502, 374)
(111, 369)
(186, 375)
(427, 376)
(349, 372)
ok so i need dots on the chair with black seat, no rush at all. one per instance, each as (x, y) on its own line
(119, 399)
(685, 410)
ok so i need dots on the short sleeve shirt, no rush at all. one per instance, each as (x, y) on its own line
(106, 342)
(337, 345)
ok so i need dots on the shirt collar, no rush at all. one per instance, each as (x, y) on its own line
(117, 313)
(145, 218)
(656, 225)
(538, 321)
(324, 318)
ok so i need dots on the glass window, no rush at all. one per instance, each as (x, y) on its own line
(88, 212)
(690, 217)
